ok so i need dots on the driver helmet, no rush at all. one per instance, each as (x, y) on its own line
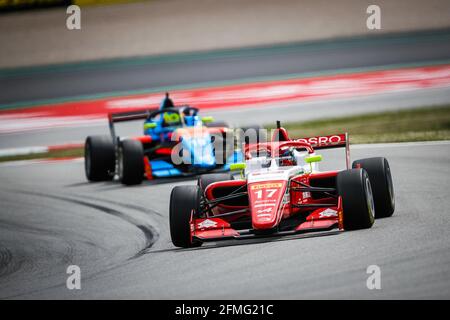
(287, 158)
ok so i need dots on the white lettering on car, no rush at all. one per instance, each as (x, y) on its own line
(207, 224)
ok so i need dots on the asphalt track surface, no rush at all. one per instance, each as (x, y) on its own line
(52, 218)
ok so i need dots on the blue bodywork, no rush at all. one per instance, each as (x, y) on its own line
(197, 152)
(163, 129)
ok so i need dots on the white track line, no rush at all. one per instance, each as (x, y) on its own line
(19, 163)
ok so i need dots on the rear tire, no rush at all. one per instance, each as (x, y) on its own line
(381, 181)
(357, 199)
(183, 200)
(131, 162)
(99, 158)
(206, 179)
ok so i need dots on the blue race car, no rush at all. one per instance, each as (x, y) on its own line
(176, 142)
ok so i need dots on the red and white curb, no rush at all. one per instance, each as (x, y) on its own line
(91, 112)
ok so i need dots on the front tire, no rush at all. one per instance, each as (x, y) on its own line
(357, 199)
(381, 181)
(99, 158)
(131, 162)
(184, 203)
(206, 179)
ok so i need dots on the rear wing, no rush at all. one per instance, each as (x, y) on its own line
(329, 142)
(127, 116)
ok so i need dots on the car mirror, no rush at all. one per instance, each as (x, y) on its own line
(315, 158)
(149, 125)
(207, 119)
(237, 166)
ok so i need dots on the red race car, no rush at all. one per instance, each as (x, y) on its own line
(282, 192)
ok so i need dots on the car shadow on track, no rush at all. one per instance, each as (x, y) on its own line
(233, 243)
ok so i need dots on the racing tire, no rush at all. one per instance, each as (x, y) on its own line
(357, 199)
(381, 180)
(99, 158)
(206, 179)
(131, 162)
(184, 201)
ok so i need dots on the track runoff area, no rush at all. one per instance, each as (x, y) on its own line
(87, 111)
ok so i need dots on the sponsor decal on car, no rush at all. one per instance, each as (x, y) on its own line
(324, 140)
(328, 213)
(207, 224)
(266, 186)
(264, 210)
(265, 204)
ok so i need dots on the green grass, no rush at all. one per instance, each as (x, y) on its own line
(424, 124)
(68, 153)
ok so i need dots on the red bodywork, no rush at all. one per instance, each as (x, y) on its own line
(304, 202)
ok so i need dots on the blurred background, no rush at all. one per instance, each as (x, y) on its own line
(296, 61)
(379, 69)
(38, 37)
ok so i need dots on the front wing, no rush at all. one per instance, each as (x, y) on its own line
(165, 169)
(214, 229)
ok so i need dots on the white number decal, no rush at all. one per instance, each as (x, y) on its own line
(270, 193)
